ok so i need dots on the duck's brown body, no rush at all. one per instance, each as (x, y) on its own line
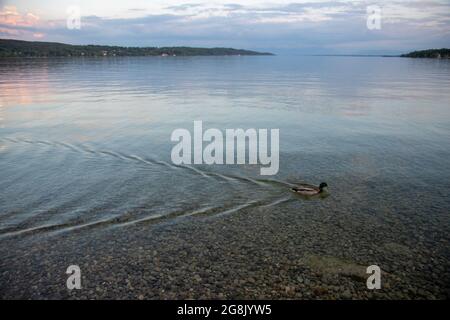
(309, 190)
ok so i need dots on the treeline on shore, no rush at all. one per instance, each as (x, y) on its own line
(431, 53)
(19, 48)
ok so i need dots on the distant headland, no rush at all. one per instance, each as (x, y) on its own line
(430, 53)
(19, 48)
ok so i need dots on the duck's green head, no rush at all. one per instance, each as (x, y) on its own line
(323, 185)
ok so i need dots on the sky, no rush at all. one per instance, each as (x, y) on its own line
(279, 26)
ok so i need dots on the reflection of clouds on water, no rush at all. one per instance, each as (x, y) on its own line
(18, 87)
(2, 145)
(21, 91)
(2, 115)
(355, 109)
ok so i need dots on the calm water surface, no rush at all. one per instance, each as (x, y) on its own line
(85, 143)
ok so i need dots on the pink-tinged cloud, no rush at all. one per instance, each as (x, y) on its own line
(9, 16)
(20, 25)
(9, 32)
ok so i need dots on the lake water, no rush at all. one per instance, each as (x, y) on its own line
(86, 177)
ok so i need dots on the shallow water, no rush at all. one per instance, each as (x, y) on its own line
(85, 151)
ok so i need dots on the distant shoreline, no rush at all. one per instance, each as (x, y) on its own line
(31, 49)
(11, 48)
(427, 54)
(443, 53)
(354, 55)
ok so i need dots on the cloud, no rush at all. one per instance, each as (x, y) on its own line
(314, 26)
(183, 7)
(13, 23)
(9, 32)
(9, 16)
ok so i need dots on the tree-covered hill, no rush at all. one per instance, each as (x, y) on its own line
(431, 53)
(19, 48)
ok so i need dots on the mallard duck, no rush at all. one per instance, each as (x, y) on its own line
(309, 190)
